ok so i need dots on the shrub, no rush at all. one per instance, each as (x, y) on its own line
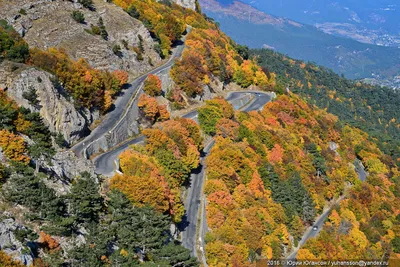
(141, 45)
(98, 29)
(139, 55)
(31, 96)
(12, 46)
(87, 3)
(132, 11)
(103, 32)
(60, 141)
(94, 30)
(22, 11)
(125, 43)
(117, 50)
(78, 16)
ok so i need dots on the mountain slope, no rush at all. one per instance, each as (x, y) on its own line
(371, 108)
(55, 210)
(355, 60)
(271, 172)
(77, 39)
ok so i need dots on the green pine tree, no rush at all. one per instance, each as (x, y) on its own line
(85, 199)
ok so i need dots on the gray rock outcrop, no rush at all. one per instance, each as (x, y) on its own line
(2, 156)
(57, 112)
(187, 3)
(48, 24)
(67, 165)
(334, 147)
(11, 245)
(64, 167)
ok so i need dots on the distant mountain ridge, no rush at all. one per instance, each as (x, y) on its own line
(373, 15)
(372, 22)
(245, 12)
(256, 29)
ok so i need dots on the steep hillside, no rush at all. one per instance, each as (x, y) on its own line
(251, 27)
(47, 24)
(373, 109)
(269, 174)
(60, 82)
(272, 172)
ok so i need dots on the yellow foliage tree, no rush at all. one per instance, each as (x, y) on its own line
(13, 146)
(142, 190)
(7, 261)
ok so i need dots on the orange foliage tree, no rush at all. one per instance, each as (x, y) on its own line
(86, 84)
(152, 85)
(212, 112)
(48, 242)
(153, 175)
(151, 110)
(148, 105)
(227, 128)
(188, 73)
(7, 261)
(167, 22)
(122, 76)
(210, 53)
(250, 172)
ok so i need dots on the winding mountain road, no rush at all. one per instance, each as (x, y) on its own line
(309, 233)
(123, 102)
(107, 163)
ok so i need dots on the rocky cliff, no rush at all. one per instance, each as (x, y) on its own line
(46, 24)
(58, 113)
(9, 242)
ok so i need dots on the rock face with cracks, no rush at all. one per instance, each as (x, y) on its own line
(45, 24)
(11, 245)
(58, 112)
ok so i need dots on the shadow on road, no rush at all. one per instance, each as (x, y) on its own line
(183, 224)
(124, 87)
(177, 43)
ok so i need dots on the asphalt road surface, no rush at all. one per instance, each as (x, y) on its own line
(192, 204)
(106, 163)
(309, 233)
(122, 102)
